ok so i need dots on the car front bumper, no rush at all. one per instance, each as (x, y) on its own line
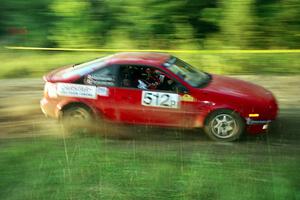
(257, 126)
(251, 121)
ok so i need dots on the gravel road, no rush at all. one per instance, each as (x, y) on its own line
(20, 115)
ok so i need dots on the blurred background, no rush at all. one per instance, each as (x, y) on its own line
(152, 24)
(38, 161)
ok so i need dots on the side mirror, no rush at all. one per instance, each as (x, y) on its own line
(181, 89)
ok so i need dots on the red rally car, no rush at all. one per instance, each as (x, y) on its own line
(160, 90)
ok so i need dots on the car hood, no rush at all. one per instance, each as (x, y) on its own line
(238, 88)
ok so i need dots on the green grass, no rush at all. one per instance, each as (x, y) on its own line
(97, 168)
(19, 64)
(23, 64)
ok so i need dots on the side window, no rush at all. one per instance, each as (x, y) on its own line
(128, 75)
(169, 84)
(147, 78)
(105, 76)
(139, 77)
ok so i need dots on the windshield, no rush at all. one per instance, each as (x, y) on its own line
(186, 72)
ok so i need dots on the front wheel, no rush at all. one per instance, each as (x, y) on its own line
(224, 125)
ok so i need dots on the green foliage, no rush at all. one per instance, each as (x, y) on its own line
(73, 27)
(26, 22)
(151, 23)
(79, 23)
(278, 24)
(237, 23)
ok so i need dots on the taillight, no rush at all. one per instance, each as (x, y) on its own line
(50, 90)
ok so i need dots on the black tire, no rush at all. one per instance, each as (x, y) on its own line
(224, 125)
(77, 119)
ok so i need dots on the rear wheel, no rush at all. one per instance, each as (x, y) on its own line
(224, 125)
(77, 119)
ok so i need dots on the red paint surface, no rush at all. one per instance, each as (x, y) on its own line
(124, 104)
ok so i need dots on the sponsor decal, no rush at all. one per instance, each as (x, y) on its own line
(103, 91)
(100, 80)
(187, 98)
(160, 99)
(251, 121)
(76, 90)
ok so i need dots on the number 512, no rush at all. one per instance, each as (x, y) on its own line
(159, 99)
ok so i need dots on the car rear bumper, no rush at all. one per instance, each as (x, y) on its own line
(48, 108)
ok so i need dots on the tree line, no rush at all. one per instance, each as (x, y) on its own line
(176, 24)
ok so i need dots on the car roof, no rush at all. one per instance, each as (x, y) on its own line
(70, 73)
(142, 58)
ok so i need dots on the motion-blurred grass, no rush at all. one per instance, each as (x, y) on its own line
(97, 168)
(22, 64)
(35, 64)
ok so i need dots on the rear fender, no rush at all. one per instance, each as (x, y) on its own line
(67, 104)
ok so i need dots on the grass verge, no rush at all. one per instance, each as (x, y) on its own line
(89, 168)
(21, 64)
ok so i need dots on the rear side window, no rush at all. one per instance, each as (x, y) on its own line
(102, 77)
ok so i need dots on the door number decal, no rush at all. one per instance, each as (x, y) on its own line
(160, 99)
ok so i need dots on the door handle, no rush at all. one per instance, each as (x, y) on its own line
(126, 97)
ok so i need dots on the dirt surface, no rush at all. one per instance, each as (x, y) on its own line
(20, 114)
